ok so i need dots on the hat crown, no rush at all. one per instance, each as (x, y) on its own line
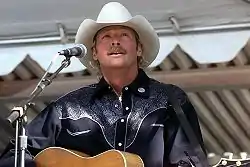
(113, 12)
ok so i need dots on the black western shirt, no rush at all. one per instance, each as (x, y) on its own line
(93, 119)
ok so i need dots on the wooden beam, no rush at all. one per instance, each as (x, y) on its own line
(6, 130)
(8, 88)
(189, 80)
(4, 113)
(207, 79)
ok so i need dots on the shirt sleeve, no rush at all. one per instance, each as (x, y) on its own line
(177, 146)
(42, 132)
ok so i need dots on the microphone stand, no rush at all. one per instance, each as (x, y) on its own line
(18, 116)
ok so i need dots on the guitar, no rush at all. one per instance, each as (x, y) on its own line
(233, 162)
(57, 156)
(224, 162)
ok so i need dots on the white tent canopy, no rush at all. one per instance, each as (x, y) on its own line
(29, 18)
(34, 19)
(203, 48)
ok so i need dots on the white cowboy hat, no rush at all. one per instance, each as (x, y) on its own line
(114, 13)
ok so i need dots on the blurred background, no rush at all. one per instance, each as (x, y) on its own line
(205, 49)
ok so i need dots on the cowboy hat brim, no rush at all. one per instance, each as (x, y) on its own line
(148, 37)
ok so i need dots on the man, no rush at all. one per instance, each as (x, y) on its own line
(126, 110)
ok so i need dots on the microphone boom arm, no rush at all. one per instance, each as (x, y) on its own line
(18, 116)
(44, 83)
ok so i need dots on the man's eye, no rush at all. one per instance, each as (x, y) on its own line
(105, 36)
(124, 34)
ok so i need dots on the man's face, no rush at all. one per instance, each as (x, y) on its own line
(116, 47)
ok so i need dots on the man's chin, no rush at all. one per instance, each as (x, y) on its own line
(116, 66)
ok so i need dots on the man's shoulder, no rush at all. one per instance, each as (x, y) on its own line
(68, 104)
(168, 87)
(84, 92)
(163, 85)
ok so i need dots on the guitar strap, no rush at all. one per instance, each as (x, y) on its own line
(187, 128)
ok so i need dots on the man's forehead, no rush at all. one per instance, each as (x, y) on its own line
(114, 27)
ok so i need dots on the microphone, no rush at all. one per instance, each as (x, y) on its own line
(78, 51)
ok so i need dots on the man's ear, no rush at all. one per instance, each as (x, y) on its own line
(139, 50)
(94, 53)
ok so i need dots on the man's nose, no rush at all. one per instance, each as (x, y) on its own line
(115, 41)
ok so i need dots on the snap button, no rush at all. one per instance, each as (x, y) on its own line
(126, 108)
(126, 88)
(116, 105)
(120, 144)
(141, 90)
(122, 120)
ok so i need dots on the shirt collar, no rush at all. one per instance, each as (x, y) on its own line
(140, 86)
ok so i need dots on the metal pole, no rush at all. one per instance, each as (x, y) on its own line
(161, 31)
(228, 28)
(30, 40)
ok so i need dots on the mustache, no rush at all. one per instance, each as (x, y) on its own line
(116, 49)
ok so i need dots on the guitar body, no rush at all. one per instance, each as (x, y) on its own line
(60, 157)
